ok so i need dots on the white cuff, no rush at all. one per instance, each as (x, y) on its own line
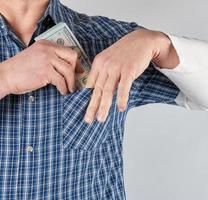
(191, 75)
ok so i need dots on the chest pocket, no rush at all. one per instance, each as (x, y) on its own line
(77, 134)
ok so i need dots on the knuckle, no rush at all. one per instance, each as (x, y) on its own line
(122, 95)
(43, 46)
(91, 108)
(111, 63)
(103, 108)
(44, 79)
(108, 62)
(113, 72)
(121, 88)
(40, 44)
(98, 90)
(74, 54)
(99, 59)
(121, 103)
(17, 89)
(97, 93)
(74, 57)
(107, 92)
(121, 98)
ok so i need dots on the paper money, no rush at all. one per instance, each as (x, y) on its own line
(62, 35)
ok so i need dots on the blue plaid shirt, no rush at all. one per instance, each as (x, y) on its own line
(47, 151)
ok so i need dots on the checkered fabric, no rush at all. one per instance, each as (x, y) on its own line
(47, 151)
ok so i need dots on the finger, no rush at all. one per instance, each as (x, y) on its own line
(93, 105)
(58, 81)
(96, 97)
(100, 82)
(77, 49)
(92, 77)
(67, 71)
(124, 87)
(107, 97)
(67, 54)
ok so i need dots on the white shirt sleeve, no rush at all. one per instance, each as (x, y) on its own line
(191, 75)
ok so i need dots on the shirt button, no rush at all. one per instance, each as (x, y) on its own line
(29, 149)
(31, 99)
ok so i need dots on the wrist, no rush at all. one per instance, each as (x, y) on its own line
(165, 54)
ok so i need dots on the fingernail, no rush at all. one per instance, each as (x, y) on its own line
(88, 119)
(121, 108)
(100, 117)
(71, 90)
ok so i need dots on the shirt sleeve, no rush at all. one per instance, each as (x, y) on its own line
(152, 87)
(191, 75)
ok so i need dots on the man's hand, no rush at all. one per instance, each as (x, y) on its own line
(120, 64)
(38, 65)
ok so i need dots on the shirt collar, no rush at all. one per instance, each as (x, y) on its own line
(55, 9)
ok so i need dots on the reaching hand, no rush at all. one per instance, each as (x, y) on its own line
(40, 64)
(119, 65)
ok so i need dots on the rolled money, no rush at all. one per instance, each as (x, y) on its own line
(81, 80)
(62, 35)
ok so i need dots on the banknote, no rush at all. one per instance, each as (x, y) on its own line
(62, 35)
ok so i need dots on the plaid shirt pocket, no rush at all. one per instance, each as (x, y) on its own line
(77, 134)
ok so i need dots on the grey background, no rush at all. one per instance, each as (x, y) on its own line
(165, 147)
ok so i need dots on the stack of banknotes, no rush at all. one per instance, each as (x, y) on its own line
(62, 35)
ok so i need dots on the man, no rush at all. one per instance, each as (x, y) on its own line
(47, 150)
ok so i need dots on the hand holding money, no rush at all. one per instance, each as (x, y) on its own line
(62, 35)
(60, 61)
(40, 64)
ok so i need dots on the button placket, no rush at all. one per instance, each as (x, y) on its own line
(29, 148)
